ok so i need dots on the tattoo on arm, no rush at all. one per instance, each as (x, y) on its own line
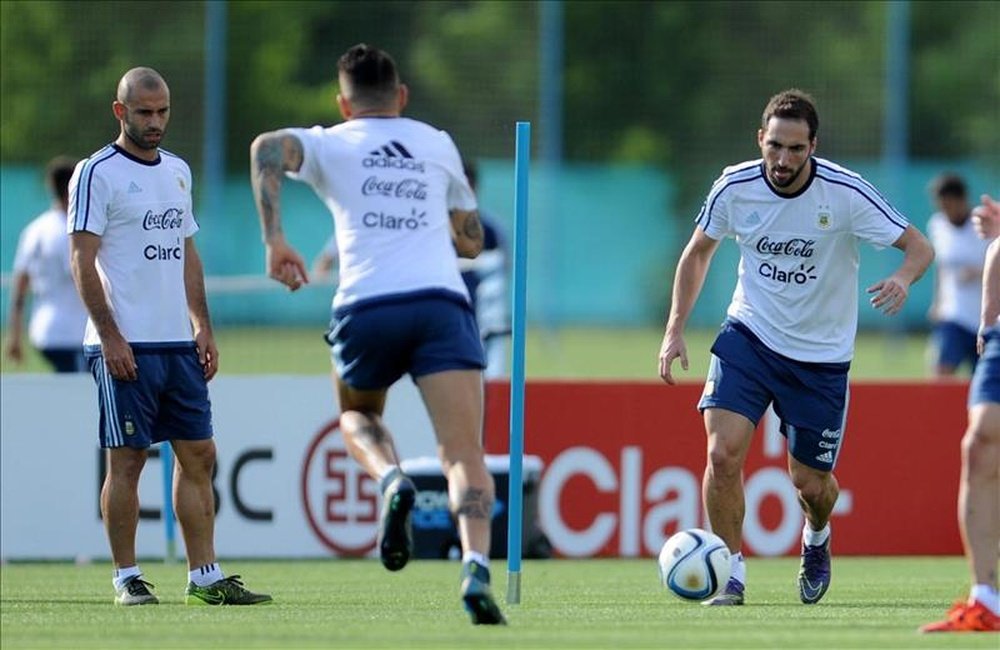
(475, 504)
(271, 155)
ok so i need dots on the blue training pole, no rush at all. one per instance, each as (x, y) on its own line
(522, 160)
(169, 530)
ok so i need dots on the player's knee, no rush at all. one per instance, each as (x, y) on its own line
(125, 464)
(981, 453)
(724, 460)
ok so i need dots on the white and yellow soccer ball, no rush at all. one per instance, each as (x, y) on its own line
(694, 564)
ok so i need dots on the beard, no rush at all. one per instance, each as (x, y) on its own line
(143, 140)
(792, 177)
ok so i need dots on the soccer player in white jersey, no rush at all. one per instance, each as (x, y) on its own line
(41, 268)
(149, 338)
(979, 490)
(402, 207)
(959, 254)
(789, 334)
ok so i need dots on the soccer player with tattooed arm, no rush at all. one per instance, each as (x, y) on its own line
(402, 207)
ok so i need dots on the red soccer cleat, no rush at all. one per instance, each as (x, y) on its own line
(963, 617)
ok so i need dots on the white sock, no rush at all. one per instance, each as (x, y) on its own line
(123, 574)
(987, 595)
(815, 537)
(388, 478)
(206, 575)
(738, 568)
(477, 557)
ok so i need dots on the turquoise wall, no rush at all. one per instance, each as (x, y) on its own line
(602, 241)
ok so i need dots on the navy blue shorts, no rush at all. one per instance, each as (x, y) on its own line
(952, 344)
(376, 343)
(985, 387)
(168, 400)
(810, 399)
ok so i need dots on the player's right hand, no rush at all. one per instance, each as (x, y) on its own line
(673, 347)
(285, 265)
(118, 358)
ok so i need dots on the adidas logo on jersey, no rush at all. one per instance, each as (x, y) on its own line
(392, 155)
(133, 188)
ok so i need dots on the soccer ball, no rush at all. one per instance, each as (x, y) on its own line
(694, 564)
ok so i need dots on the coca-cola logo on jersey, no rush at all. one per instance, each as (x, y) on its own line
(408, 188)
(795, 247)
(167, 220)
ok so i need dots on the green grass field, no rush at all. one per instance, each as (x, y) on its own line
(873, 603)
(572, 353)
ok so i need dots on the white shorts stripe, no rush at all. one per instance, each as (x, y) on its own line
(112, 432)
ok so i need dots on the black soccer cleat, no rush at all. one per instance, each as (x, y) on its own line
(395, 536)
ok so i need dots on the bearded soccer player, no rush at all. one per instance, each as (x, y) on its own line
(149, 338)
(789, 332)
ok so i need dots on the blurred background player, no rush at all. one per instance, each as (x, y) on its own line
(42, 269)
(325, 261)
(788, 337)
(979, 490)
(149, 337)
(958, 255)
(402, 207)
(485, 278)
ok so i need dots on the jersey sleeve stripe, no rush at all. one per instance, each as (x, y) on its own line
(721, 186)
(858, 180)
(83, 187)
(881, 205)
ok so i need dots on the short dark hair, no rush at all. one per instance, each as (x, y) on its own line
(792, 104)
(371, 74)
(58, 171)
(949, 184)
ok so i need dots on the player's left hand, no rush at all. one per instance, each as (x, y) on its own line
(890, 295)
(208, 354)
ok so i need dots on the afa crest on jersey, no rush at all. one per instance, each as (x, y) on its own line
(823, 219)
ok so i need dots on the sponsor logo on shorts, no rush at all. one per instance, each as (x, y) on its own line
(831, 433)
(825, 457)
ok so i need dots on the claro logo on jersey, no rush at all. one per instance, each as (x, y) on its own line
(169, 219)
(392, 155)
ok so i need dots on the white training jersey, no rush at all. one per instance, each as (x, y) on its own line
(58, 316)
(959, 254)
(797, 287)
(142, 212)
(390, 183)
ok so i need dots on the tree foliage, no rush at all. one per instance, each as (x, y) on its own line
(674, 84)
